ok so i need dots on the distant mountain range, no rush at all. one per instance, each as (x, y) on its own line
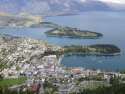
(51, 7)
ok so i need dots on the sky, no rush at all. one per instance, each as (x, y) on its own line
(109, 1)
(114, 1)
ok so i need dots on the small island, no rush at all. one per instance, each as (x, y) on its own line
(73, 33)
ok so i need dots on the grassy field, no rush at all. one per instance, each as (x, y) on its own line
(93, 84)
(11, 82)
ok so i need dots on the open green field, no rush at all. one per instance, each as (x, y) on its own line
(11, 82)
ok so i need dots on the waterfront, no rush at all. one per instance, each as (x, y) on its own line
(110, 24)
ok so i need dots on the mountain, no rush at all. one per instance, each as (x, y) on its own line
(50, 7)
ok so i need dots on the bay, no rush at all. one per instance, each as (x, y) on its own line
(110, 24)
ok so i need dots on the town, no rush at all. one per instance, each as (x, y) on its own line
(43, 73)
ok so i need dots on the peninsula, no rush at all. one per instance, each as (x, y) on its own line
(73, 33)
(97, 49)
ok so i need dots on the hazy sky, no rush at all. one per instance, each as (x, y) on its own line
(112, 1)
(115, 1)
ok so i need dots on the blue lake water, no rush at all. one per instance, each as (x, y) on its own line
(111, 24)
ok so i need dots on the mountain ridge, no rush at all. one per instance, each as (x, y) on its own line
(50, 7)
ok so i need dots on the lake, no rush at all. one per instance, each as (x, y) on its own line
(110, 24)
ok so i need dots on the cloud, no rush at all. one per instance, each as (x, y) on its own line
(114, 1)
(7, 6)
(82, 0)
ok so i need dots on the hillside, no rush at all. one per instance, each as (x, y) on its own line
(8, 20)
(58, 7)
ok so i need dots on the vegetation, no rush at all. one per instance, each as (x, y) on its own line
(8, 91)
(50, 88)
(99, 49)
(11, 82)
(73, 33)
(106, 90)
(6, 83)
(115, 88)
